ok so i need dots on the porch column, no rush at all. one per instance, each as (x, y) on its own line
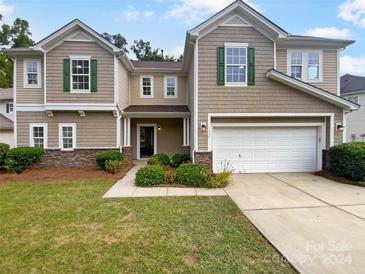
(184, 131)
(125, 132)
(188, 131)
(129, 132)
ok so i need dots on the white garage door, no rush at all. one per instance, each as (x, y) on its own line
(265, 149)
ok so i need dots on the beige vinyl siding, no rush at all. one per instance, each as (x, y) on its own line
(266, 96)
(123, 84)
(105, 73)
(28, 95)
(96, 130)
(329, 82)
(7, 137)
(158, 90)
(169, 138)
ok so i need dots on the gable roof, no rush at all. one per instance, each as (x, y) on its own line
(311, 90)
(244, 8)
(156, 65)
(5, 123)
(351, 84)
(69, 29)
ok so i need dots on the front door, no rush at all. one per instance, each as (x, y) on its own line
(146, 141)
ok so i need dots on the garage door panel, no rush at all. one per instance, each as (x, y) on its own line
(265, 149)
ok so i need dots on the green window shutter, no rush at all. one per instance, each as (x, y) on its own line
(251, 66)
(220, 66)
(66, 75)
(94, 81)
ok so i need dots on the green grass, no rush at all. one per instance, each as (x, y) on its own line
(68, 227)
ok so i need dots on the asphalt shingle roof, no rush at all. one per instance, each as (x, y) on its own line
(352, 83)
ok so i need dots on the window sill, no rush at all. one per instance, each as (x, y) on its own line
(32, 87)
(67, 149)
(170, 97)
(146, 97)
(80, 91)
(232, 85)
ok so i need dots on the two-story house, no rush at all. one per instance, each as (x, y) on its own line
(6, 116)
(247, 93)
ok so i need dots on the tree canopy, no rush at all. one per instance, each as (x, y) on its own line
(117, 39)
(144, 52)
(14, 36)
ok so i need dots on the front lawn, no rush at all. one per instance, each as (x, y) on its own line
(60, 227)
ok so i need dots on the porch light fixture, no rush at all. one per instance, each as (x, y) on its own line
(50, 113)
(340, 127)
(203, 126)
(158, 127)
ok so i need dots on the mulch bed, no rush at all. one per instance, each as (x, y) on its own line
(38, 174)
(339, 179)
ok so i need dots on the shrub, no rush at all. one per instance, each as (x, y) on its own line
(159, 159)
(150, 175)
(3, 150)
(170, 175)
(21, 158)
(191, 175)
(348, 161)
(220, 179)
(113, 166)
(179, 158)
(103, 156)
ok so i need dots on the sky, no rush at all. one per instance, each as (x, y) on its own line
(164, 22)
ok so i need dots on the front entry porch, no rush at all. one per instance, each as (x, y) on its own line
(148, 133)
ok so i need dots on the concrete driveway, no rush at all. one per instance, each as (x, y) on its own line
(317, 224)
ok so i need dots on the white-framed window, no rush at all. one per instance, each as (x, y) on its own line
(354, 99)
(32, 73)
(235, 64)
(67, 136)
(38, 135)
(296, 64)
(170, 86)
(146, 86)
(9, 108)
(305, 65)
(80, 74)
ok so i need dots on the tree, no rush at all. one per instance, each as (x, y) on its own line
(16, 35)
(117, 39)
(144, 52)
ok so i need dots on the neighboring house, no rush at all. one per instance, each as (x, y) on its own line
(353, 89)
(247, 93)
(6, 116)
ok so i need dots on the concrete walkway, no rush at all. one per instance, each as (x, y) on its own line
(127, 188)
(317, 224)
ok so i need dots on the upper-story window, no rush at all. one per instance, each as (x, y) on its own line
(235, 64)
(146, 86)
(354, 99)
(305, 65)
(32, 73)
(170, 86)
(80, 74)
(9, 108)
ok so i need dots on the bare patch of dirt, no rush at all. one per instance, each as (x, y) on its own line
(338, 179)
(38, 174)
(190, 260)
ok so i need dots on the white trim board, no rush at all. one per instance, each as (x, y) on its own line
(138, 138)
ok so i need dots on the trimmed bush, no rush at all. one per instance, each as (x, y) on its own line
(179, 158)
(191, 175)
(348, 161)
(219, 180)
(21, 158)
(159, 159)
(103, 156)
(3, 150)
(150, 175)
(113, 166)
